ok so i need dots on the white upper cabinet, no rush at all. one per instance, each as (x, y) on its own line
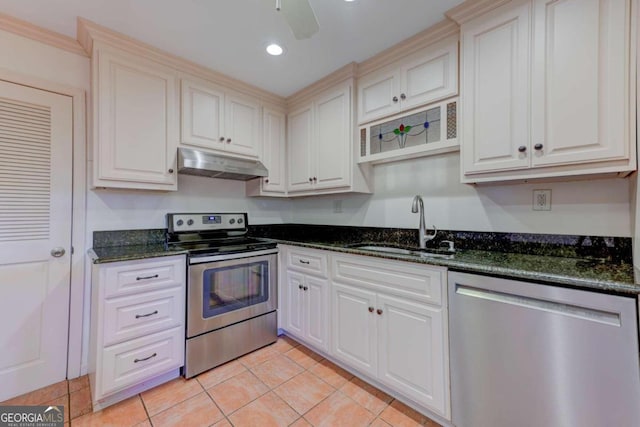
(494, 90)
(546, 90)
(333, 142)
(202, 115)
(321, 144)
(134, 121)
(419, 79)
(300, 141)
(221, 120)
(580, 81)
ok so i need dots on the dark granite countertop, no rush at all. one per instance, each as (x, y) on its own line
(107, 254)
(572, 272)
(595, 263)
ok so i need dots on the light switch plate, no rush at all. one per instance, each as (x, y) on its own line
(541, 200)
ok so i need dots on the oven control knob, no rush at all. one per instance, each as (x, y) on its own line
(232, 221)
(190, 222)
(179, 222)
(240, 221)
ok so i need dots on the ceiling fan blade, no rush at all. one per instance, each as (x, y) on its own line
(300, 17)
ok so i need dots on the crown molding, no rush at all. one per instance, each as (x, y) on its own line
(39, 34)
(470, 9)
(89, 31)
(338, 76)
(423, 39)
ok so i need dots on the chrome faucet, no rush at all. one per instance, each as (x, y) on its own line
(423, 237)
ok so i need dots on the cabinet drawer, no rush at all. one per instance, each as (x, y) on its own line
(405, 279)
(137, 315)
(142, 276)
(135, 361)
(307, 261)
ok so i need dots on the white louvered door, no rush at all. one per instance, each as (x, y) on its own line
(35, 218)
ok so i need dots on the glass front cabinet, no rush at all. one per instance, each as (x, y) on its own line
(430, 130)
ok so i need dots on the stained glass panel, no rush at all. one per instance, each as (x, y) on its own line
(410, 131)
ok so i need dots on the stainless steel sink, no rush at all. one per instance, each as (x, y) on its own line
(401, 251)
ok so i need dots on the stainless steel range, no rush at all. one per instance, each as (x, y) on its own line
(231, 287)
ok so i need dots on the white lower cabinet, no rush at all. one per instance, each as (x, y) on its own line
(389, 319)
(399, 342)
(137, 326)
(306, 307)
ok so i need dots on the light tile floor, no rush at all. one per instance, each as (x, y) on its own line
(284, 384)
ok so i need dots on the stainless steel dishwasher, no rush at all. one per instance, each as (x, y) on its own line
(525, 354)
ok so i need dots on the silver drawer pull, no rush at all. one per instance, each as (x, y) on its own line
(304, 262)
(146, 358)
(155, 276)
(146, 315)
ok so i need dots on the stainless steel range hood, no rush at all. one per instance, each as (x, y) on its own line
(202, 163)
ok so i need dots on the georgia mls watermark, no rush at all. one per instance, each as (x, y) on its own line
(32, 416)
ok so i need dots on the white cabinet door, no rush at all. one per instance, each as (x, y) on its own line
(294, 315)
(412, 351)
(273, 150)
(429, 76)
(580, 81)
(333, 140)
(202, 115)
(316, 305)
(242, 125)
(135, 123)
(378, 94)
(495, 90)
(354, 337)
(299, 149)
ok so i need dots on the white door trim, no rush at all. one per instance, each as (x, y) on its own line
(78, 229)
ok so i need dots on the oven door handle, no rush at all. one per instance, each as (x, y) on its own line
(226, 257)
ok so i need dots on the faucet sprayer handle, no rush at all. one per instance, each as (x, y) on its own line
(429, 237)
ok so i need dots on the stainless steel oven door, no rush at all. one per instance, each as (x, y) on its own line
(221, 293)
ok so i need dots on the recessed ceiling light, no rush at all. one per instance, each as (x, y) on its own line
(274, 49)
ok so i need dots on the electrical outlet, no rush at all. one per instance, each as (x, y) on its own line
(541, 200)
(337, 206)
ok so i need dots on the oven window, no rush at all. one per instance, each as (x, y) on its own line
(232, 288)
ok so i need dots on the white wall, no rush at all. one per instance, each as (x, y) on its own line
(126, 209)
(593, 207)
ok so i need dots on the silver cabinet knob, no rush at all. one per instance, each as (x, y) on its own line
(58, 252)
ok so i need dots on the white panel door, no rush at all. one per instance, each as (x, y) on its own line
(333, 143)
(378, 95)
(273, 152)
(35, 217)
(429, 76)
(354, 335)
(412, 351)
(495, 90)
(202, 115)
(299, 149)
(580, 81)
(294, 312)
(242, 125)
(317, 321)
(137, 117)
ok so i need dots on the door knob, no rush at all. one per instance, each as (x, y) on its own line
(58, 252)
